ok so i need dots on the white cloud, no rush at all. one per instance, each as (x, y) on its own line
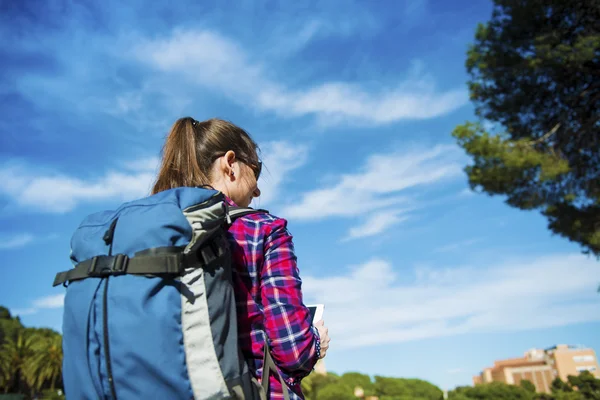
(23, 239)
(58, 193)
(47, 302)
(54, 301)
(211, 60)
(279, 159)
(150, 164)
(368, 306)
(376, 223)
(24, 311)
(379, 184)
(16, 241)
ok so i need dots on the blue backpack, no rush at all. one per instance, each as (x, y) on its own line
(149, 310)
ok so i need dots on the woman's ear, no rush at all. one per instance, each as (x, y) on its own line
(228, 164)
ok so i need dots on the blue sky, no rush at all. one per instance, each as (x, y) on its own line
(353, 105)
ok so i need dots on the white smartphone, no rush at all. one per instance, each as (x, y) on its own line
(316, 312)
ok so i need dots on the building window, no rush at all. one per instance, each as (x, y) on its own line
(585, 368)
(586, 358)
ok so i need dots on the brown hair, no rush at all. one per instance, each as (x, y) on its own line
(192, 147)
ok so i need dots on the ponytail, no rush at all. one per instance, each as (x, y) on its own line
(179, 165)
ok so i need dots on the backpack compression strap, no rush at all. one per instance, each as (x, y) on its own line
(157, 261)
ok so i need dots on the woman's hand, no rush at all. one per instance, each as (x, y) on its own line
(324, 334)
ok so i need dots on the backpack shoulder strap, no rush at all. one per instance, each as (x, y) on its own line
(234, 212)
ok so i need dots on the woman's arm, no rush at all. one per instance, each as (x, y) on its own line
(294, 342)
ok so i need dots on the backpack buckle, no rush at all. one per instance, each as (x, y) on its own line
(119, 264)
(103, 266)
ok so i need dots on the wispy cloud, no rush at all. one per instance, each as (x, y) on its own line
(148, 76)
(279, 159)
(376, 223)
(212, 60)
(47, 302)
(381, 183)
(16, 241)
(518, 294)
(54, 301)
(59, 193)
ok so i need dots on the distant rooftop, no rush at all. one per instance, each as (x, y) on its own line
(567, 346)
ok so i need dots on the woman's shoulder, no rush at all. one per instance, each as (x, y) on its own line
(263, 221)
(263, 218)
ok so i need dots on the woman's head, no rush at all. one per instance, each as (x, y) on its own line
(213, 153)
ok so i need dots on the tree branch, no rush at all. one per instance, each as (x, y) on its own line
(546, 135)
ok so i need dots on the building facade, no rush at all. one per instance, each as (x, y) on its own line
(541, 367)
(572, 360)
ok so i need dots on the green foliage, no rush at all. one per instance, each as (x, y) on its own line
(534, 72)
(331, 386)
(494, 390)
(400, 388)
(355, 379)
(30, 358)
(314, 383)
(336, 391)
(9, 328)
(559, 386)
(45, 364)
(568, 396)
(586, 384)
(527, 385)
(52, 394)
(4, 313)
(582, 387)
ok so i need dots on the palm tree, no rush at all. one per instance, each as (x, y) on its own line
(6, 372)
(45, 364)
(14, 355)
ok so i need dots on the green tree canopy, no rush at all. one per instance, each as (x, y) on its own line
(494, 390)
(313, 383)
(527, 385)
(4, 313)
(336, 391)
(30, 358)
(400, 389)
(587, 384)
(355, 379)
(535, 82)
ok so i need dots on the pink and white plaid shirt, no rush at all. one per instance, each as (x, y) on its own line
(269, 300)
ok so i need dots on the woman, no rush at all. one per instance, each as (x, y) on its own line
(267, 286)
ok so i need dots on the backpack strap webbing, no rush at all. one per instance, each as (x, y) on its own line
(234, 212)
(268, 368)
(157, 261)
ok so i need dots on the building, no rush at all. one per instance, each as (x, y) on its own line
(571, 360)
(541, 367)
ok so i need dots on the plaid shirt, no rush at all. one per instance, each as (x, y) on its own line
(269, 300)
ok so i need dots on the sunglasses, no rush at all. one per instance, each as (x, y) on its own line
(256, 168)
